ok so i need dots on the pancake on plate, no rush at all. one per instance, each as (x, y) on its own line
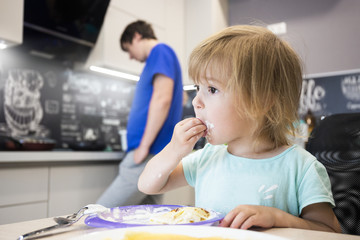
(181, 215)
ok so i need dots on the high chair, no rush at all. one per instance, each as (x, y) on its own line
(335, 142)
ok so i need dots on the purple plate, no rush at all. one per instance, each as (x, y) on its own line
(139, 215)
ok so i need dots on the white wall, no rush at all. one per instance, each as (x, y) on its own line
(180, 23)
(166, 17)
(202, 19)
(326, 33)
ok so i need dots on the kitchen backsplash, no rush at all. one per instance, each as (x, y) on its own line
(43, 98)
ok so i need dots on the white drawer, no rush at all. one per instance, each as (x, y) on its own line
(23, 185)
(73, 187)
(24, 212)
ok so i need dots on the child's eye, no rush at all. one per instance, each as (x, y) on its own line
(213, 90)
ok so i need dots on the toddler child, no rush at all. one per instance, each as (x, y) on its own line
(248, 87)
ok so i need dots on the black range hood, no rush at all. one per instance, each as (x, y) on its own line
(64, 30)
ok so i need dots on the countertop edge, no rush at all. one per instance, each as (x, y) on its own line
(58, 156)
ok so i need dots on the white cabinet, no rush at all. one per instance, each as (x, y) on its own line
(107, 52)
(23, 193)
(37, 185)
(21, 185)
(72, 187)
(153, 11)
(11, 22)
(23, 212)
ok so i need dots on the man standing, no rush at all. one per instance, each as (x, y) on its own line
(156, 108)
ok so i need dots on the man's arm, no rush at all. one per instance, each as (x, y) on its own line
(159, 107)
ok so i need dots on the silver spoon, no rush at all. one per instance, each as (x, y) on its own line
(88, 209)
(66, 221)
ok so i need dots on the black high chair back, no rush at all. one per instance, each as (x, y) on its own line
(335, 142)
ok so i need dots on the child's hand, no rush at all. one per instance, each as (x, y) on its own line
(246, 216)
(186, 133)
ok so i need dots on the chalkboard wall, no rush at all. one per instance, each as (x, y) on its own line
(49, 99)
(331, 93)
(44, 98)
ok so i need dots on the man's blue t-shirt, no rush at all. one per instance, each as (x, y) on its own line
(161, 60)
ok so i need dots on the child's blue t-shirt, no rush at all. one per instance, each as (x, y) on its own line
(289, 181)
(161, 60)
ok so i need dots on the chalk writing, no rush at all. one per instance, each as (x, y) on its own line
(311, 95)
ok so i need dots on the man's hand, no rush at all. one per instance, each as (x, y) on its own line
(140, 154)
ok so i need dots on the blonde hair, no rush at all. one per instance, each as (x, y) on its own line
(261, 70)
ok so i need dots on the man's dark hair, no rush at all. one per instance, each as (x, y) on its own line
(141, 27)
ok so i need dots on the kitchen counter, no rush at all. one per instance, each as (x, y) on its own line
(13, 231)
(58, 156)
